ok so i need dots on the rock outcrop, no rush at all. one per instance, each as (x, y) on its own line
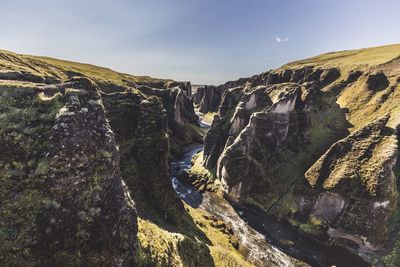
(355, 175)
(140, 126)
(63, 199)
(254, 140)
(69, 144)
(182, 121)
(209, 97)
(303, 144)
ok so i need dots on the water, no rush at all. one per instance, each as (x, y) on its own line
(257, 231)
(253, 245)
(297, 245)
(187, 193)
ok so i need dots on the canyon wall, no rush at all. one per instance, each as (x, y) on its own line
(314, 143)
(78, 143)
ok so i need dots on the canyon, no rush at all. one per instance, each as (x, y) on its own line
(296, 166)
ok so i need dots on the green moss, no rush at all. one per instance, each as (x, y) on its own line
(314, 227)
(159, 247)
(393, 258)
(203, 179)
(194, 253)
(42, 167)
(194, 133)
(198, 169)
(25, 128)
(226, 120)
(328, 124)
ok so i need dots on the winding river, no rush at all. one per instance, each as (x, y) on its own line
(257, 231)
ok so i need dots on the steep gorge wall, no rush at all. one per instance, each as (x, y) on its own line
(63, 199)
(267, 138)
(69, 145)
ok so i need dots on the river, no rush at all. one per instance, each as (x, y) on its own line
(262, 237)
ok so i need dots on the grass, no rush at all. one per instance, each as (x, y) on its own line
(198, 168)
(205, 179)
(366, 57)
(161, 247)
(62, 69)
(194, 133)
(222, 251)
(365, 106)
(314, 226)
(209, 117)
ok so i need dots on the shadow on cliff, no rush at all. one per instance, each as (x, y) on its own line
(140, 128)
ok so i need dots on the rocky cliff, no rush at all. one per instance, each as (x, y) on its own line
(62, 196)
(77, 143)
(207, 98)
(314, 144)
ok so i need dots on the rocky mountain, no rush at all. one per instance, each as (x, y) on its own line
(300, 165)
(314, 144)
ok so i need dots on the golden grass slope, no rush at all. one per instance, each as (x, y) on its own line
(61, 69)
(363, 105)
(348, 59)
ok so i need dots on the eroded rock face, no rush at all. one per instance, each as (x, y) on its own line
(209, 98)
(68, 144)
(214, 143)
(242, 164)
(262, 150)
(177, 102)
(63, 199)
(354, 176)
(181, 117)
(144, 152)
(353, 76)
(217, 135)
(328, 206)
(183, 108)
(67, 150)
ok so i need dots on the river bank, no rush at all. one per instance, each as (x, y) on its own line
(258, 234)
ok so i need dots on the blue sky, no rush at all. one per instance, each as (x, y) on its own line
(203, 41)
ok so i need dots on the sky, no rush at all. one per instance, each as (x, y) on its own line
(202, 41)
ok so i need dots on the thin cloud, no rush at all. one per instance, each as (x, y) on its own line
(281, 40)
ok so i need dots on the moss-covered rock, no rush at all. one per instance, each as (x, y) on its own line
(262, 155)
(63, 200)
